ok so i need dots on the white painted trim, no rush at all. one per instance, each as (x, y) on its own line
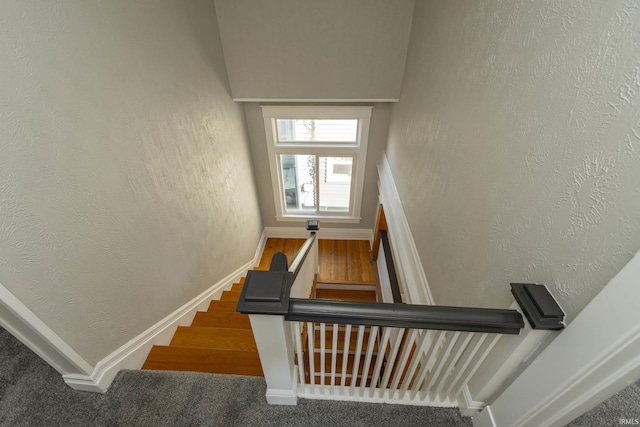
(281, 397)
(133, 354)
(317, 111)
(323, 233)
(485, 419)
(408, 264)
(341, 100)
(507, 359)
(469, 407)
(274, 340)
(322, 218)
(356, 150)
(22, 323)
(597, 355)
(369, 396)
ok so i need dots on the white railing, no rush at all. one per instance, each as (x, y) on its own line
(402, 365)
(379, 352)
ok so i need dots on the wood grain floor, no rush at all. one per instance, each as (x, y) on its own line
(345, 261)
(341, 261)
(287, 246)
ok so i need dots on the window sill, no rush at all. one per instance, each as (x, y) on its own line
(321, 218)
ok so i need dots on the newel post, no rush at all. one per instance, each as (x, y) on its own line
(265, 297)
(512, 353)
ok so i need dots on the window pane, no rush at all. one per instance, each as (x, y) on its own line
(298, 182)
(335, 183)
(302, 130)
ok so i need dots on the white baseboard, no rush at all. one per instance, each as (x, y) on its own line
(469, 407)
(413, 281)
(133, 354)
(23, 324)
(323, 233)
(370, 396)
(485, 419)
(281, 397)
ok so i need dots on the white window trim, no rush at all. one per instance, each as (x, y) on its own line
(358, 150)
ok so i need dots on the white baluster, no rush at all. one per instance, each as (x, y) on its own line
(382, 349)
(391, 360)
(356, 361)
(311, 334)
(373, 333)
(345, 359)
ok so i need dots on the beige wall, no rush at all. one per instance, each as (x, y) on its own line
(516, 146)
(378, 131)
(310, 49)
(125, 173)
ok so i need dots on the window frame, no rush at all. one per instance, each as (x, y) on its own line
(357, 150)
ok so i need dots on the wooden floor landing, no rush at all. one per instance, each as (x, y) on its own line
(341, 261)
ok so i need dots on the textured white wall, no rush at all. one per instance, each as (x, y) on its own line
(516, 146)
(310, 49)
(378, 130)
(125, 177)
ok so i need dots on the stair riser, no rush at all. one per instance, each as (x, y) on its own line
(345, 287)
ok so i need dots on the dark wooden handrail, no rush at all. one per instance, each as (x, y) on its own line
(268, 292)
(436, 317)
(391, 268)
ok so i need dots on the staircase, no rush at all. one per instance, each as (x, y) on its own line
(220, 340)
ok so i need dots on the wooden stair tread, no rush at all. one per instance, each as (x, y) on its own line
(346, 295)
(215, 338)
(339, 282)
(217, 319)
(204, 360)
(287, 246)
(225, 306)
(230, 296)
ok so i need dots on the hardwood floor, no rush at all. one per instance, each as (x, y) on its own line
(341, 261)
(345, 261)
(287, 246)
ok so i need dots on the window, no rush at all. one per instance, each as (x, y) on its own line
(317, 157)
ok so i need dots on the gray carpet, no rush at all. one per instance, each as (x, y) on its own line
(624, 405)
(33, 394)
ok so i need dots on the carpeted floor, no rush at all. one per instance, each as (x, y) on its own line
(624, 405)
(33, 394)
